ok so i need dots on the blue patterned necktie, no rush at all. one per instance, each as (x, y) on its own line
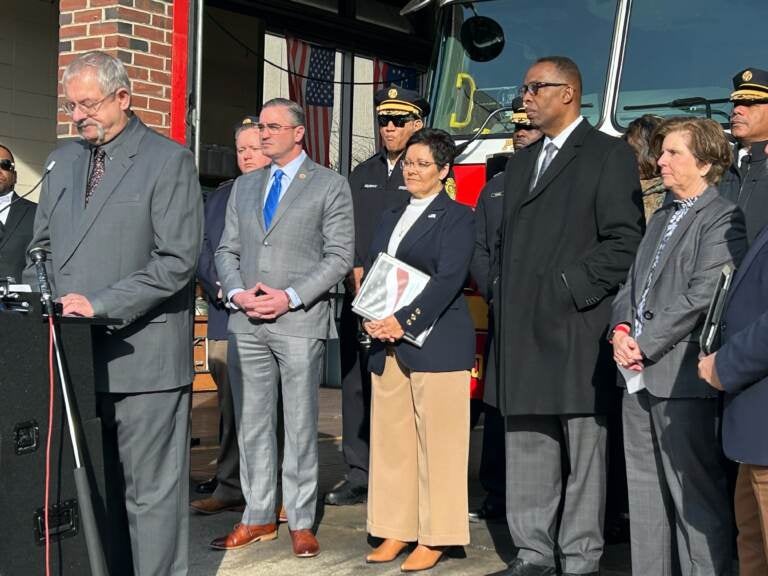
(273, 198)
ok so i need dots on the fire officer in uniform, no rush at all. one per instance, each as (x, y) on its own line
(487, 220)
(377, 185)
(746, 181)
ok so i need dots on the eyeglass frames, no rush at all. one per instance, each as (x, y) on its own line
(534, 87)
(397, 121)
(89, 109)
(7, 165)
(273, 128)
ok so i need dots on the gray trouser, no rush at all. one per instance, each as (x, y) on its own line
(146, 446)
(258, 364)
(556, 489)
(679, 503)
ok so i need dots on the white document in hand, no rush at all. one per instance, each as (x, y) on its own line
(635, 381)
(389, 285)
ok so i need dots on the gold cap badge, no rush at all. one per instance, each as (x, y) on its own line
(747, 76)
(392, 93)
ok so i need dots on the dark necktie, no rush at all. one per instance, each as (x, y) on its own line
(97, 173)
(549, 154)
(273, 198)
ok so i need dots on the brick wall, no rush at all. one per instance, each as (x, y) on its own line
(138, 32)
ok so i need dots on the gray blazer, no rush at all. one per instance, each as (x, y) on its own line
(309, 246)
(132, 253)
(710, 235)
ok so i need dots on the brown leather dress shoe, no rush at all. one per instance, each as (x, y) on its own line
(386, 551)
(422, 558)
(244, 534)
(305, 545)
(213, 505)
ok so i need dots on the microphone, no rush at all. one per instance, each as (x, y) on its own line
(48, 168)
(38, 256)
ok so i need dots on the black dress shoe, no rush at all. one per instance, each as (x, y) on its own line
(207, 487)
(488, 512)
(522, 568)
(346, 494)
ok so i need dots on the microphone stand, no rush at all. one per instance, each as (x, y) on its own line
(82, 483)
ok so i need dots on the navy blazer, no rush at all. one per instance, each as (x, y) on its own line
(742, 362)
(215, 210)
(440, 244)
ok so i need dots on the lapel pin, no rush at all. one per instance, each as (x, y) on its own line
(433, 215)
(302, 176)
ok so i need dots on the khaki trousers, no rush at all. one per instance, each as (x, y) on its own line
(751, 505)
(417, 487)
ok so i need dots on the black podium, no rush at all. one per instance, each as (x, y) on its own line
(24, 398)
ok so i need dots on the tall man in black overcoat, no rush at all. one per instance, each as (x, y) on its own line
(572, 221)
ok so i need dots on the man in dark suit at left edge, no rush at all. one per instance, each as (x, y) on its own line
(121, 217)
(16, 219)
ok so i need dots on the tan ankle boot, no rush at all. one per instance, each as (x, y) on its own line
(422, 558)
(386, 551)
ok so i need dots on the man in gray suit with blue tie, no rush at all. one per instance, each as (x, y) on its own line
(288, 238)
(121, 219)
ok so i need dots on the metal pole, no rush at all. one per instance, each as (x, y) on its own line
(198, 89)
(345, 115)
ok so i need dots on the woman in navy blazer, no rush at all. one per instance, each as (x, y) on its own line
(420, 396)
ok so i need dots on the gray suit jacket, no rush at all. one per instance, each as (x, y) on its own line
(710, 235)
(309, 246)
(132, 253)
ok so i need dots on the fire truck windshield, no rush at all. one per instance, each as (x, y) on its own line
(673, 57)
(465, 90)
(688, 50)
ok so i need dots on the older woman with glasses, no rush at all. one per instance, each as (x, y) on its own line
(679, 503)
(420, 396)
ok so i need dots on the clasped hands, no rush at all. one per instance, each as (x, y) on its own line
(386, 330)
(262, 302)
(626, 352)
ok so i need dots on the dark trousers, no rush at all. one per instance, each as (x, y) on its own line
(228, 459)
(355, 398)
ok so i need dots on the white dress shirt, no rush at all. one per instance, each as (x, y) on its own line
(558, 141)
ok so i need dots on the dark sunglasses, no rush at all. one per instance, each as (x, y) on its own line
(7, 165)
(398, 121)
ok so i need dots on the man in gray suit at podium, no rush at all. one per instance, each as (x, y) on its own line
(288, 238)
(121, 218)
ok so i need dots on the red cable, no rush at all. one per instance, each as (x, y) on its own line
(48, 445)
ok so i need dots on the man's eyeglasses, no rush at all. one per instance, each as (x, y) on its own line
(534, 87)
(87, 108)
(273, 128)
(419, 165)
(397, 121)
(7, 165)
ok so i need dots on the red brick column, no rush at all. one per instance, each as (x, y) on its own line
(138, 32)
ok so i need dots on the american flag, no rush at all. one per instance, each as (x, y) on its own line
(385, 74)
(311, 69)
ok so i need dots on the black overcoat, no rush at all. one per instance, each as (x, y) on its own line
(564, 248)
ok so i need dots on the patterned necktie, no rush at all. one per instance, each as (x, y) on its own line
(549, 154)
(273, 198)
(97, 173)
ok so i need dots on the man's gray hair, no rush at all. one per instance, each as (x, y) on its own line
(109, 71)
(297, 112)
